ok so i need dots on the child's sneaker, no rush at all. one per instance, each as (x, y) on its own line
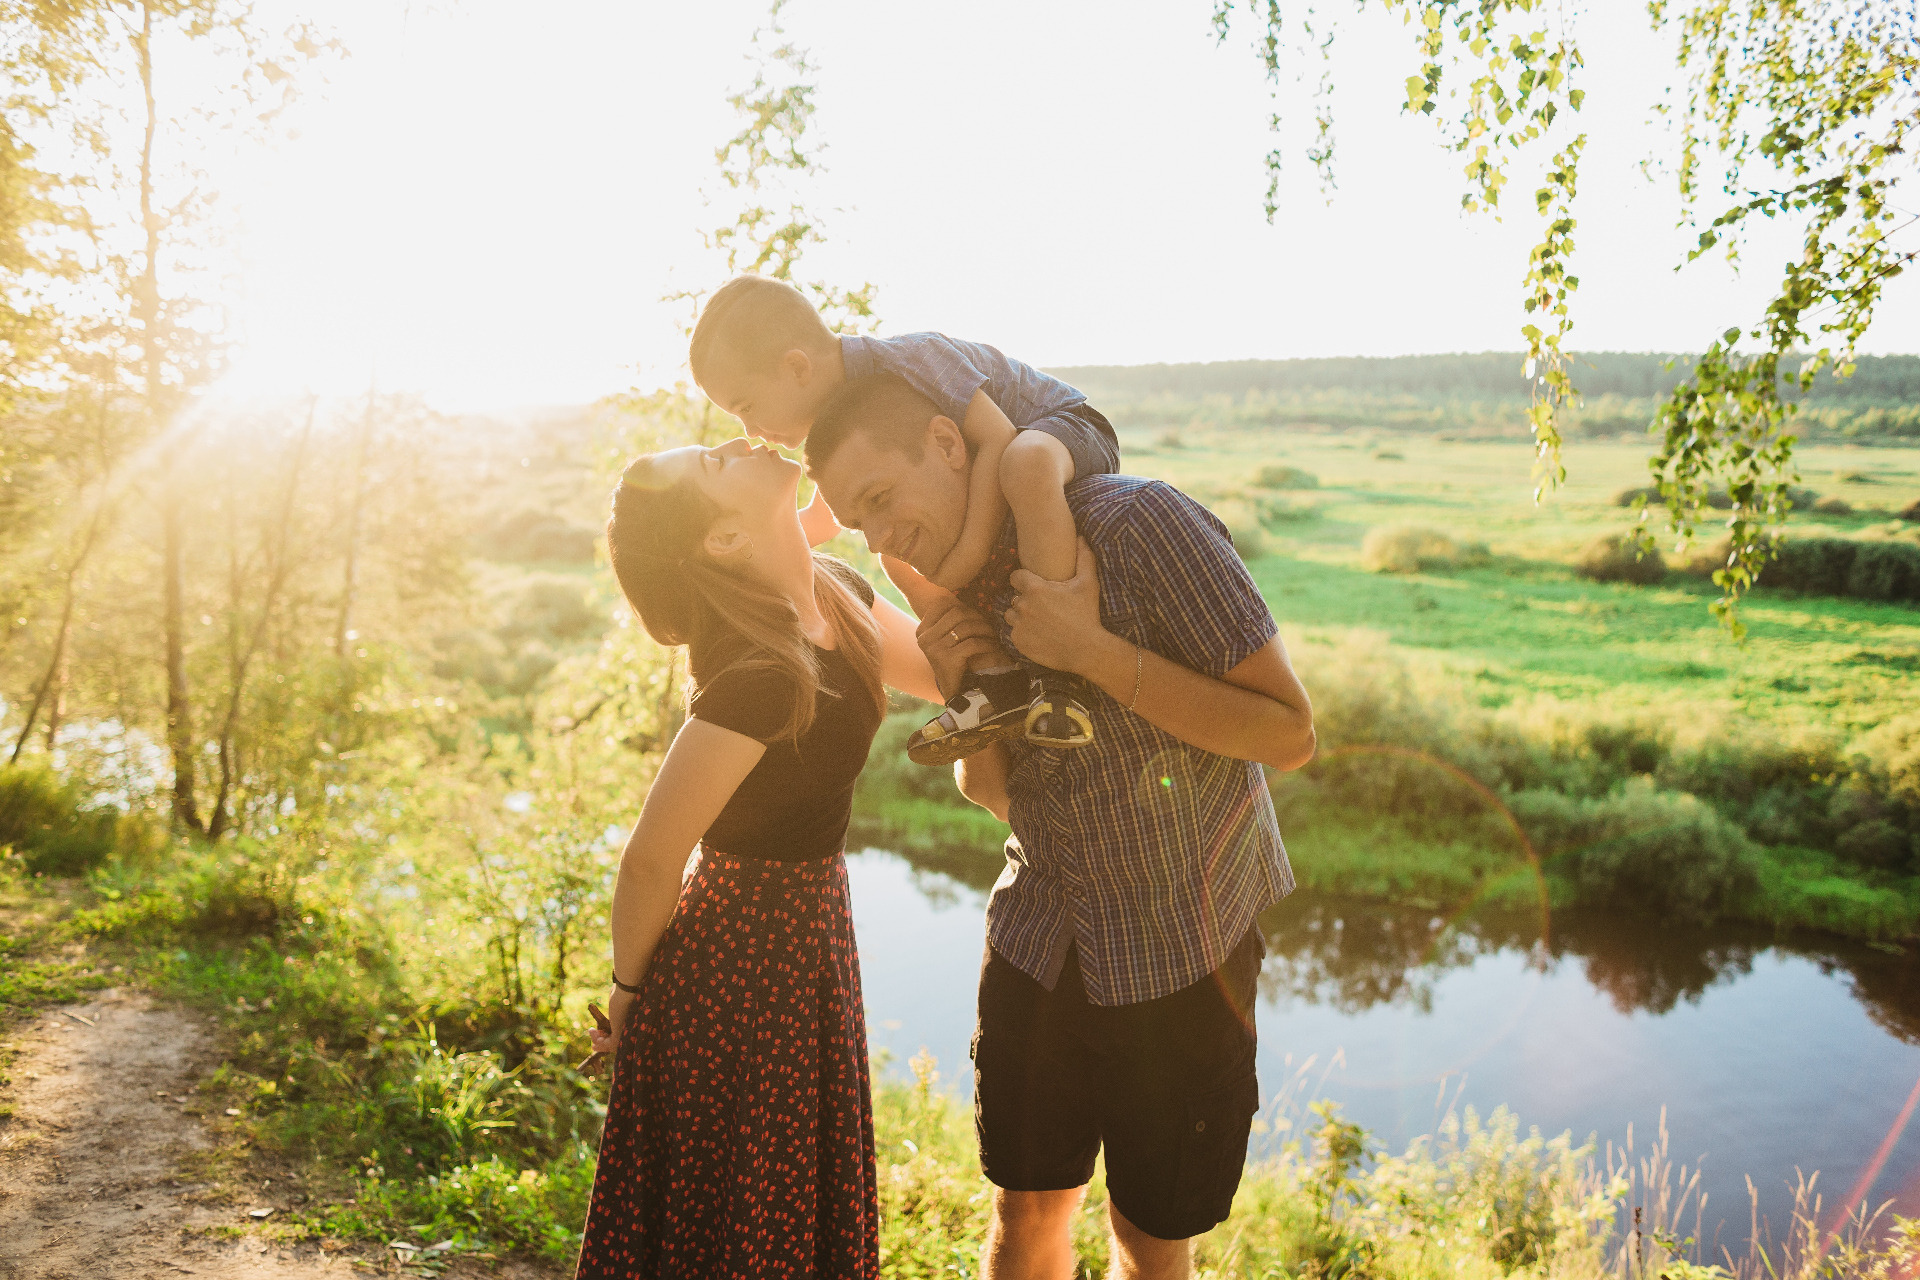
(1055, 718)
(971, 723)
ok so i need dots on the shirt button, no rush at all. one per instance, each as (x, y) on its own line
(1200, 1126)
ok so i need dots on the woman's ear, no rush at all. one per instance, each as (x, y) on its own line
(727, 540)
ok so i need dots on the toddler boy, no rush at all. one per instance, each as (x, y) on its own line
(761, 352)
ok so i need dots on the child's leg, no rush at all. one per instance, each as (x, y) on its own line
(1035, 471)
(993, 704)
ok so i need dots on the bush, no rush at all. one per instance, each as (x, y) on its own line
(1643, 849)
(1911, 511)
(1244, 526)
(1279, 476)
(49, 823)
(1885, 571)
(1413, 548)
(1876, 843)
(1819, 565)
(1388, 455)
(537, 537)
(1833, 505)
(551, 608)
(1616, 557)
(1717, 497)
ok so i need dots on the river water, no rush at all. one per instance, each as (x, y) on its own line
(1767, 1056)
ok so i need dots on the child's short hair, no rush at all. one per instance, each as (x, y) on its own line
(884, 407)
(754, 320)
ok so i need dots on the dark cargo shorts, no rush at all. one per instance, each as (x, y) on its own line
(1089, 438)
(1167, 1086)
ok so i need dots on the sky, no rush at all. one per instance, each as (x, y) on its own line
(487, 208)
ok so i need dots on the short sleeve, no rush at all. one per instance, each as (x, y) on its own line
(938, 367)
(852, 578)
(757, 701)
(1203, 608)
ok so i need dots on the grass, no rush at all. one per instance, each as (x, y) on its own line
(1456, 704)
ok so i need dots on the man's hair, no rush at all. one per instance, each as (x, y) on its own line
(751, 321)
(883, 407)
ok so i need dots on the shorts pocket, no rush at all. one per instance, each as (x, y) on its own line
(1213, 1151)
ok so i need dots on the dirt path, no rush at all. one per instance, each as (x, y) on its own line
(95, 1160)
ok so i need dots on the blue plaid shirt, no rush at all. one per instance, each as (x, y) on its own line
(948, 371)
(1151, 856)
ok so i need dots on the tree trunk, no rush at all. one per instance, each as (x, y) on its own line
(146, 314)
(53, 684)
(344, 623)
(278, 568)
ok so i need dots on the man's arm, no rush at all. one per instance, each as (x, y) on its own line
(816, 521)
(1258, 711)
(988, 432)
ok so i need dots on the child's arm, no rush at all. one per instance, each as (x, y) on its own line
(988, 432)
(816, 521)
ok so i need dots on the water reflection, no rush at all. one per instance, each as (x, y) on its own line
(1352, 955)
(1767, 1053)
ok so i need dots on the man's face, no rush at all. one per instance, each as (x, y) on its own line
(906, 509)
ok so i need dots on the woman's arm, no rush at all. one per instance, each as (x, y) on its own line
(703, 769)
(902, 665)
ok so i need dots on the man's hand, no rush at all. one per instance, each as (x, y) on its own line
(951, 634)
(1057, 624)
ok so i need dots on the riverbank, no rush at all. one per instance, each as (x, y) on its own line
(366, 1107)
(1420, 795)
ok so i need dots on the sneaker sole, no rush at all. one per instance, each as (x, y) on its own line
(967, 742)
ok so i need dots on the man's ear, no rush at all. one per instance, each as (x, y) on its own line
(945, 439)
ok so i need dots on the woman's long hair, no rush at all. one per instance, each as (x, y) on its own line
(729, 621)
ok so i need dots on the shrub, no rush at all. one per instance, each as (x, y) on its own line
(1616, 557)
(1876, 843)
(1717, 496)
(1885, 571)
(1279, 476)
(1244, 526)
(49, 822)
(551, 608)
(1412, 548)
(537, 537)
(1388, 455)
(1911, 511)
(1833, 505)
(1642, 848)
(1819, 565)
(1171, 440)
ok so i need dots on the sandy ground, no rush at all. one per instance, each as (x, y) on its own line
(94, 1161)
(97, 1161)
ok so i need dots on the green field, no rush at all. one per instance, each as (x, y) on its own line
(1650, 758)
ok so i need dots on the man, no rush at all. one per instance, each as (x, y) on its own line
(1117, 991)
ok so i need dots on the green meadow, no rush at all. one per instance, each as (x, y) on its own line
(1494, 724)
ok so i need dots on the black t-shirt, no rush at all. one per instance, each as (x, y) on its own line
(795, 804)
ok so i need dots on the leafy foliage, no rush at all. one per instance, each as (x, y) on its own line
(1805, 106)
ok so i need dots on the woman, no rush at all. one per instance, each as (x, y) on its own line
(739, 1132)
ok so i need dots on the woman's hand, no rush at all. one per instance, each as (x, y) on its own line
(604, 1035)
(950, 635)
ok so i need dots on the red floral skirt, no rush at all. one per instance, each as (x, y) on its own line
(739, 1131)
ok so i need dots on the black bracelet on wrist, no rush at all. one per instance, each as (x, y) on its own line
(615, 975)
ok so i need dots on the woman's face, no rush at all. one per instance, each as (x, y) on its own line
(752, 484)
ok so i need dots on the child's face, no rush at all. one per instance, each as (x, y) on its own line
(776, 404)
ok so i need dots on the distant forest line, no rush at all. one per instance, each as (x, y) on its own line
(1484, 375)
(1477, 394)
